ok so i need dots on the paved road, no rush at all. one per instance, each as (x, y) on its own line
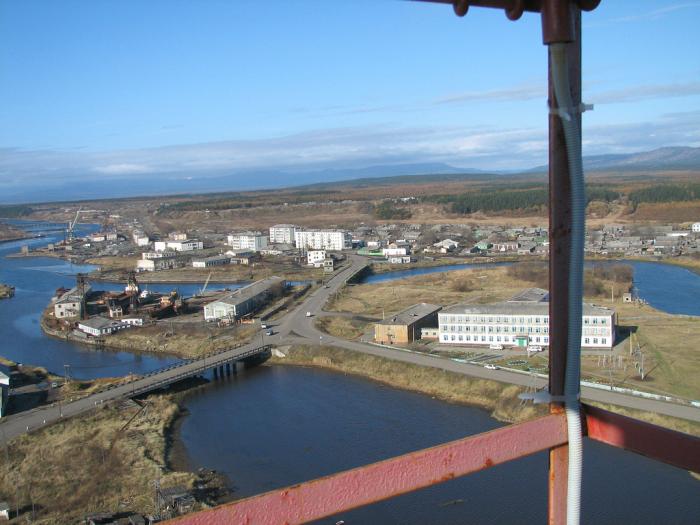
(296, 327)
(16, 424)
(299, 328)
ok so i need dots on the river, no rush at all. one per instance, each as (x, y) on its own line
(35, 280)
(273, 426)
(666, 287)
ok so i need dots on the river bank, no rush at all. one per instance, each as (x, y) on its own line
(105, 461)
(173, 339)
(500, 399)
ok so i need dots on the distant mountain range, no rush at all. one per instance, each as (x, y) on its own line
(671, 158)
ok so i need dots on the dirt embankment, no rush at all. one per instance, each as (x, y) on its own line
(9, 233)
(499, 398)
(180, 339)
(106, 461)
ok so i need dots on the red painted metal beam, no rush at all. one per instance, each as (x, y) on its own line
(379, 481)
(661, 444)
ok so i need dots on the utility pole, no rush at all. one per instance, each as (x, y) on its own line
(66, 378)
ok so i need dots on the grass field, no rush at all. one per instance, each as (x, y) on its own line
(104, 461)
(182, 339)
(669, 342)
(346, 328)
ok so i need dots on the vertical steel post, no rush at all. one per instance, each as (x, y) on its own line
(559, 261)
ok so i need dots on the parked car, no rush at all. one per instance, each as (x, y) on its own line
(263, 325)
(535, 348)
(269, 332)
(491, 367)
(495, 346)
(308, 314)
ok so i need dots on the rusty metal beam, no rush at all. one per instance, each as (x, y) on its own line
(379, 481)
(661, 444)
(559, 262)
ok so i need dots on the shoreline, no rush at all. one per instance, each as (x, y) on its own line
(499, 399)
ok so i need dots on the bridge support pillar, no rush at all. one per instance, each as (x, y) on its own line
(216, 372)
(221, 371)
(228, 369)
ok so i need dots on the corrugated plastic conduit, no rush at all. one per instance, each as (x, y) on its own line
(569, 119)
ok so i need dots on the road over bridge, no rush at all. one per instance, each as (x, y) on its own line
(16, 424)
(296, 327)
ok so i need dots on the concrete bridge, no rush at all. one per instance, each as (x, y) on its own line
(296, 328)
(222, 363)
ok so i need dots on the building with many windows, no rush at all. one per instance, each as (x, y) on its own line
(333, 240)
(518, 322)
(315, 258)
(244, 301)
(282, 233)
(253, 241)
(178, 245)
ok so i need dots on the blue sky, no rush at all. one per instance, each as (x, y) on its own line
(92, 89)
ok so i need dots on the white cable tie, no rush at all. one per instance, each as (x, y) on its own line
(566, 112)
(543, 396)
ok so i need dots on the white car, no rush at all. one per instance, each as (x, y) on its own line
(535, 348)
(491, 367)
(495, 346)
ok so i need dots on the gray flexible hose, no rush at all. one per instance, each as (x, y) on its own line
(572, 384)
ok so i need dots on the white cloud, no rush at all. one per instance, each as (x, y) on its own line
(523, 92)
(478, 147)
(635, 93)
(123, 169)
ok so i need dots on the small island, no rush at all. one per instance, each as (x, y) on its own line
(6, 291)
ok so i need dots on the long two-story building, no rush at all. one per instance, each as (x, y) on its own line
(243, 301)
(518, 322)
(332, 240)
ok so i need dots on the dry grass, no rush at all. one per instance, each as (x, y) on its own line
(227, 274)
(486, 285)
(343, 327)
(674, 423)
(669, 343)
(91, 463)
(181, 339)
(114, 263)
(499, 398)
(667, 212)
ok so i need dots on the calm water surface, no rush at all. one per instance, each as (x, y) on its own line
(274, 426)
(35, 280)
(666, 287)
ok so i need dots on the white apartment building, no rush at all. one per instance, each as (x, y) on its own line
(394, 252)
(282, 233)
(208, 262)
(140, 238)
(253, 241)
(315, 257)
(332, 240)
(178, 246)
(521, 321)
